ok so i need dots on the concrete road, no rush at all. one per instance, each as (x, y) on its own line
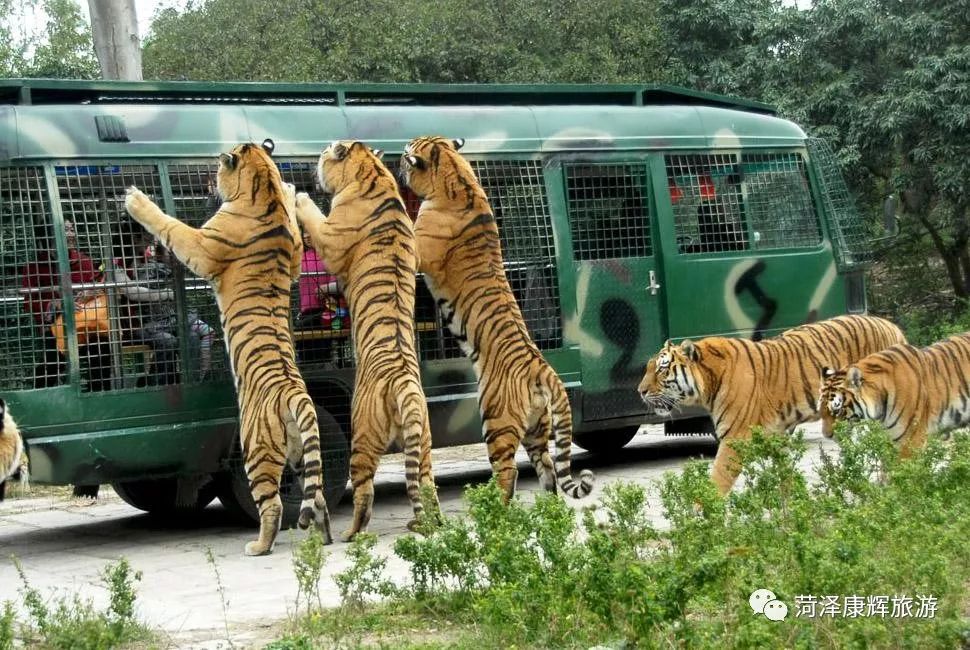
(63, 544)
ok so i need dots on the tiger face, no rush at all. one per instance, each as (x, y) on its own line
(239, 167)
(421, 160)
(669, 380)
(340, 162)
(844, 392)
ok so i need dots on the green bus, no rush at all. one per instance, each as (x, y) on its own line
(629, 214)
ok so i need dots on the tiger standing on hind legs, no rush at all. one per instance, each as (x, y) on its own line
(773, 383)
(521, 398)
(250, 251)
(367, 241)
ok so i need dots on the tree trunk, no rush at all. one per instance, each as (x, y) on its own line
(951, 258)
(114, 27)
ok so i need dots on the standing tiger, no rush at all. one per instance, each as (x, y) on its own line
(250, 251)
(520, 396)
(11, 449)
(913, 392)
(773, 383)
(367, 241)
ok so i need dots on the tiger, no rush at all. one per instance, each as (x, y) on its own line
(772, 383)
(250, 250)
(12, 457)
(913, 392)
(521, 398)
(367, 241)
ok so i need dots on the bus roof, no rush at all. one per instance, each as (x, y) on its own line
(62, 119)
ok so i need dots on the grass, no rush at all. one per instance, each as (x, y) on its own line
(76, 624)
(538, 576)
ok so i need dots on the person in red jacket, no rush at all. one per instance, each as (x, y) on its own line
(41, 284)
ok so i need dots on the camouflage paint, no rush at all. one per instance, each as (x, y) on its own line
(612, 321)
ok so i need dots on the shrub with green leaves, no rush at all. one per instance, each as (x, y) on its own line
(871, 524)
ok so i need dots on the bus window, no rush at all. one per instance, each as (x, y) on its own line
(779, 201)
(706, 196)
(608, 211)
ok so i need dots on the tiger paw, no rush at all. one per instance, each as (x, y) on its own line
(348, 535)
(254, 549)
(136, 201)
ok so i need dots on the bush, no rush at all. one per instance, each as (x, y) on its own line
(75, 623)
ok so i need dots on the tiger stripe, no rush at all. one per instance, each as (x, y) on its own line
(250, 251)
(913, 392)
(367, 241)
(773, 383)
(521, 398)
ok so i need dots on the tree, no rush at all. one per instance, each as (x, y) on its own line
(116, 38)
(61, 48)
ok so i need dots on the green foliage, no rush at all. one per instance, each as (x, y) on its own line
(309, 556)
(71, 622)
(63, 48)
(364, 576)
(871, 525)
(7, 620)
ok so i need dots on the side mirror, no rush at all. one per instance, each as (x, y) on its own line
(889, 223)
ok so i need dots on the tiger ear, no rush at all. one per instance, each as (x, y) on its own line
(690, 350)
(827, 372)
(228, 160)
(379, 153)
(458, 143)
(269, 146)
(414, 161)
(340, 151)
(854, 378)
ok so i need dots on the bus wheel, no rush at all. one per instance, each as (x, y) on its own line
(605, 440)
(160, 496)
(233, 485)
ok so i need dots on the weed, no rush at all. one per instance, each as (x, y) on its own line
(75, 623)
(363, 577)
(309, 557)
(7, 619)
(210, 558)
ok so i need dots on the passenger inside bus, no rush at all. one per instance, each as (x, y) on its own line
(323, 309)
(41, 284)
(148, 313)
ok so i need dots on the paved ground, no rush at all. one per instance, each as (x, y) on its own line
(63, 543)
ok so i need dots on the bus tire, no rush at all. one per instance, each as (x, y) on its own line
(605, 440)
(159, 496)
(233, 485)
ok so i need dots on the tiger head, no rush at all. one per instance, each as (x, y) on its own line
(671, 379)
(340, 163)
(428, 161)
(844, 394)
(240, 169)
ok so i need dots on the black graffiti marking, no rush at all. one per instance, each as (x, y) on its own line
(621, 326)
(749, 282)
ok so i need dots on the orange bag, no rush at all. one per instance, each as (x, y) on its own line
(90, 319)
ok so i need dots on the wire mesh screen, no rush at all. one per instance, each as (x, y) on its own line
(195, 200)
(125, 320)
(321, 318)
(29, 283)
(517, 192)
(779, 201)
(706, 195)
(609, 211)
(851, 241)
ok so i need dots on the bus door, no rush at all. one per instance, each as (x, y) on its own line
(619, 283)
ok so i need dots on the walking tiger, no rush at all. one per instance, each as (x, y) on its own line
(250, 251)
(773, 383)
(367, 241)
(913, 392)
(521, 397)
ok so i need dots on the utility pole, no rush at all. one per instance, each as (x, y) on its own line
(114, 27)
